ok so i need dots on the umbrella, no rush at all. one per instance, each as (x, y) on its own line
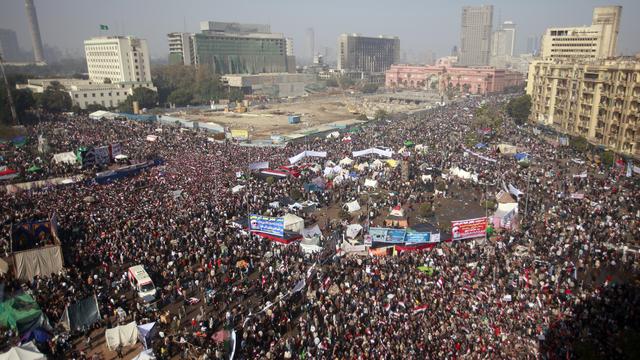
(408, 143)
(121, 157)
(34, 168)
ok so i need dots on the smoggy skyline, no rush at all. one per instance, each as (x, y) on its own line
(422, 26)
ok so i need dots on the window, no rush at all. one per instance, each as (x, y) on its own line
(76, 96)
(93, 94)
(85, 95)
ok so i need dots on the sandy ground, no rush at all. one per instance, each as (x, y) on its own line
(262, 123)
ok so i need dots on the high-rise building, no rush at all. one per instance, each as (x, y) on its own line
(181, 48)
(311, 43)
(9, 48)
(118, 58)
(475, 35)
(503, 44)
(232, 48)
(34, 27)
(533, 44)
(367, 54)
(599, 100)
(597, 41)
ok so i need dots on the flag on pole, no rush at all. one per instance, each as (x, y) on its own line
(104, 27)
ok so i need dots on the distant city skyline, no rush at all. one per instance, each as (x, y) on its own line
(422, 26)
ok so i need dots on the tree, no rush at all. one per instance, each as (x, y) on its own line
(22, 99)
(236, 95)
(380, 115)
(465, 88)
(369, 88)
(180, 97)
(145, 97)
(579, 144)
(54, 98)
(519, 109)
(426, 210)
(95, 107)
(607, 158)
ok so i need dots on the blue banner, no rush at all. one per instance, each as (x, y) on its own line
(267, 224)
(418, 237)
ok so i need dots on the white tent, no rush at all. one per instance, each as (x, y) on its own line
(152, 138)
(65, 157)
(377, 164)
(463, 174)
(125, 335)
(145, 355)
(371, 183)
(293, 223)
(237, 188)
(362, 167)
(26, 351)
(334, 135)
(352, 206)
(97, 115)
(346, 162)
(353, 230)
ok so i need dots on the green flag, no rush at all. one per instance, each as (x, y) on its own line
(104, 27)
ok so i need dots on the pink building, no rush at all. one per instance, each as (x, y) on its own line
(474, 80)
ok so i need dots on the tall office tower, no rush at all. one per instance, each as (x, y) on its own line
(9, 48)
(311, 43)
(181, 48)
(475, 35)
(233, 48)
(118, 58)
(36, 40)
(367, 54)
(597, 41)
(503, 44)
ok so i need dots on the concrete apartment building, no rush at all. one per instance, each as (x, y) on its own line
(597, 41)
(117, 65)
(367, 54)
(599, 100)
(233, 48)
(181, 49)
(475, 35)
(478, 80)
(118, 58)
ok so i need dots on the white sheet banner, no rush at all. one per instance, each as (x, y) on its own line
(515, 191)
(302, 155)
(479, 155)
(385, 153)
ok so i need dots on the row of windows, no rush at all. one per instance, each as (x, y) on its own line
(573, 45)
(579, 38)
(100, 94)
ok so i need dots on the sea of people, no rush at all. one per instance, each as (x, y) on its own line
(566, 276)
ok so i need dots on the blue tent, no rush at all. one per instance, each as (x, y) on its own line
(38, 334)
(521, 156)
(481, 145)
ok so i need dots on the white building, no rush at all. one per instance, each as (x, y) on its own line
(181, 50)
(87, 92)
(118, 58)
(597, 41)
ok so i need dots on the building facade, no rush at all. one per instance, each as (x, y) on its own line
(181, 48)
(503, 44)
(475, 35)
(474, 80)
(597, 100)
(87, 92)
(9, 49)
(272, 85)
(367, 54)
(118, 59)
(597, 41)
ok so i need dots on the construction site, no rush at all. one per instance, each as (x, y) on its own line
(305, 115)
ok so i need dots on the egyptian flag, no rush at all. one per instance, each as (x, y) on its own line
(420, 308)
(440, 282)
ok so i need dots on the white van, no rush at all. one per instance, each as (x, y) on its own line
(140, 280)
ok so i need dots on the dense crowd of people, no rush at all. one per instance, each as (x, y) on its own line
(566, 274)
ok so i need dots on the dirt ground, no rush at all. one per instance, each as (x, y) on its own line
(273, 120)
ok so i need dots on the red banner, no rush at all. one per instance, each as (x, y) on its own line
(466, 229)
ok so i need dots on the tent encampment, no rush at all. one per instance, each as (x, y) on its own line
(353, 230)
(101, 114)
(371, 183)
(293, 223)
(125, 335)
(346, 162)
(28, 351)
(21, 313)
(507, 149)
(82, 314)
(146, 332)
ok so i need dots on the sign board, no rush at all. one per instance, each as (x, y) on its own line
(418, 237)
(239, 134)
(467, 229)
(267, 224)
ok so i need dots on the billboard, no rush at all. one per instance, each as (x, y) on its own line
(267, 224)
(418, 237)
(239, 134)
(467, 229)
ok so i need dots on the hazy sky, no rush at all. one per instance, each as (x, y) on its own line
(421, 24)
